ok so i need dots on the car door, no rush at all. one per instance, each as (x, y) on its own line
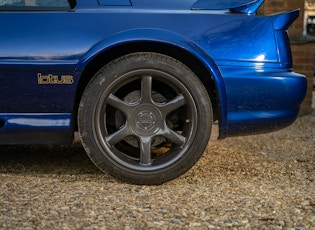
(37, 61)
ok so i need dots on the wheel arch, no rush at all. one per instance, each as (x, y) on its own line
(164, 42)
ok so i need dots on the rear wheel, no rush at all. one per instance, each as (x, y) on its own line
(145, 118)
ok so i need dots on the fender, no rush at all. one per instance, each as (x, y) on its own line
(170, 38)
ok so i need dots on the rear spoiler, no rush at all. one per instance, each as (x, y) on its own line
(236, 6)
(282, 21)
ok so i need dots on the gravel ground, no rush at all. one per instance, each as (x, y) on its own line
(257, 182)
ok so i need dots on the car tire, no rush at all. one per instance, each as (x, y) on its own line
(145, 118)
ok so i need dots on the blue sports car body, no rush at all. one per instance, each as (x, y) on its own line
(87, 65)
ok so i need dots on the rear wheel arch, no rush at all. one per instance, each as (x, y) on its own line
(207, 72)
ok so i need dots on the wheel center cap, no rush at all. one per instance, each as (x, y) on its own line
(146, 120)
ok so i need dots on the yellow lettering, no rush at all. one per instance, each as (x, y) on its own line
(54, 79)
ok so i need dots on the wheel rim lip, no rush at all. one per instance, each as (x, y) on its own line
(113, 153)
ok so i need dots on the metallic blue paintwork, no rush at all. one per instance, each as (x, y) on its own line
(262, 108)
(21, 128)
(282, 21)
(249, 8)
(114, 2)
(221, 5)
(248, 57)
(239, 6)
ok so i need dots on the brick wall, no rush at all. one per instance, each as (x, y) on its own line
(275, 6)
(303, 63)
(303, 51)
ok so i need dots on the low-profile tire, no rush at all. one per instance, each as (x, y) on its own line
(145, 118)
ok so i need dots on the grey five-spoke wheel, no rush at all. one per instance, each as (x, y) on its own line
(145, 118)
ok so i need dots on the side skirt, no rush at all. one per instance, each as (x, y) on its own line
(36, 128)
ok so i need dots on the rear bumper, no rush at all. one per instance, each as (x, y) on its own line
(261, 101)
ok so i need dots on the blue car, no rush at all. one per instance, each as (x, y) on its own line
(142, 81)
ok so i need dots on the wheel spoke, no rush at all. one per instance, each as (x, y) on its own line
(174, 137)
(117, 136)
(146, 89)
(145, 150)
(118, 104)
(172, 105)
